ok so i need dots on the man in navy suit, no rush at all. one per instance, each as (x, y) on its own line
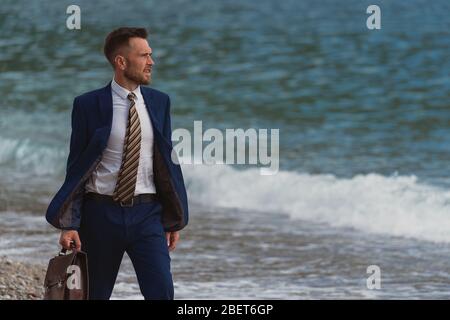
(122, 192)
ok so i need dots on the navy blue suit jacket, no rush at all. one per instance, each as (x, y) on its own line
(91, 126)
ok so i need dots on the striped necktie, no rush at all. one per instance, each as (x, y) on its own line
(126, 180)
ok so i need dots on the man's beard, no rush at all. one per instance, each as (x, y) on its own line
(137, 78)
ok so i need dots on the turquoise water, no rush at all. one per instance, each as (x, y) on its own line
(363, 115)
(346, 100)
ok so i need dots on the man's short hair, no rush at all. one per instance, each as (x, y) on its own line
(119, 38)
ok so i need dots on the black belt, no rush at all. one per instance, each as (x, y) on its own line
(140, 198)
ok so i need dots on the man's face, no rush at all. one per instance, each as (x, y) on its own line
(139, 61)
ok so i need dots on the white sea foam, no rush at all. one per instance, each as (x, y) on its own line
(24, 155)
(395, 205)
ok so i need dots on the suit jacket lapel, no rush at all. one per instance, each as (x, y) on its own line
(106, 114)
(150, 104)
(106, 111)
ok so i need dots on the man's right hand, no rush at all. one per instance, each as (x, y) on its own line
(67, 236)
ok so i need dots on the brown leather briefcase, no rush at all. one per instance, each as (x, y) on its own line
(67, 276)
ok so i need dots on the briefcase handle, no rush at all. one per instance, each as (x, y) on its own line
(65, 252)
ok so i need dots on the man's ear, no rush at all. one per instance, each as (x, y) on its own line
(120, 62)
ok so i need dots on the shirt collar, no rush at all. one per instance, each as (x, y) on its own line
(122, 92)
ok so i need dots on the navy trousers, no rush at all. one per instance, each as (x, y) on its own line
(108, 230)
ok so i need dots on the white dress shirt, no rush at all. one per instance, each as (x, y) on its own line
(104, 177)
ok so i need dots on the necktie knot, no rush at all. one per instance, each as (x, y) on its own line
(131, 96)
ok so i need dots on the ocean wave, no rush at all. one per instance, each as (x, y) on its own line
(392, 205)
(25, 155)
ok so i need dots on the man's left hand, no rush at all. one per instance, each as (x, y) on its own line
(172, 239)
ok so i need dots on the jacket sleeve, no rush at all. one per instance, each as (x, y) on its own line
(181, 189)
(78, 138)
(78, 143)
(167, 129)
